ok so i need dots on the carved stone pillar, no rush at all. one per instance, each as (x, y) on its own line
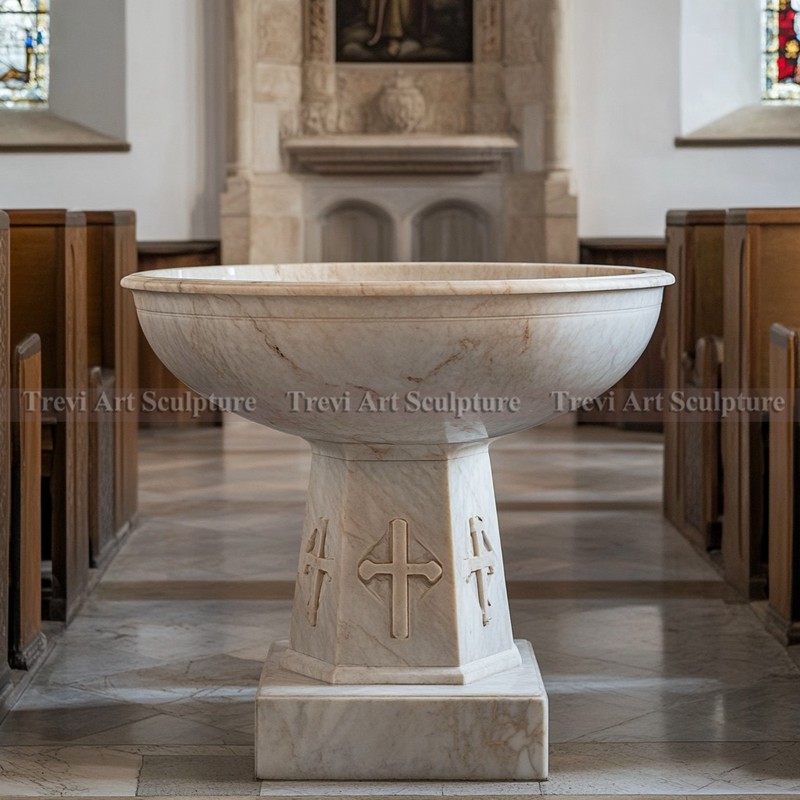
(541, 212)
(561, 205)
(489, 107)
(262, 215)
(320, 110)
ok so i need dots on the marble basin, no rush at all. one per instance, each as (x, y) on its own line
(399, 376)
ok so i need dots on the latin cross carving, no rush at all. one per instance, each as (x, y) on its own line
(316, 564)
(401, 570)
(481, 564)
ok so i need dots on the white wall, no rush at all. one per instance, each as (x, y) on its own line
(644, 71)
(174, 172)
(90, 38)
(636, 87)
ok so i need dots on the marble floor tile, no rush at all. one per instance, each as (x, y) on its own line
(68, 771)
(674, 768)
(658, 682)
(397, 789)
(173, 776)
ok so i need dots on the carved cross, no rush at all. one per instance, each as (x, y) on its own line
(316, 564)
(400, 569)
(481, 563)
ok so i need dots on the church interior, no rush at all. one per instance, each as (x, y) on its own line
(418, 152)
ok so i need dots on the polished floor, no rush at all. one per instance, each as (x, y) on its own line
(658, 683)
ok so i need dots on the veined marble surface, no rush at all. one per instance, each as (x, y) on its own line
(492, 729)
(401, 530)
(375, 342)
(658, 684)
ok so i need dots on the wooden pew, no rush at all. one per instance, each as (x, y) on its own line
(112, 352)
(48, 286)
(693, 364)
(5, 452)
(646, 377)
(762, 285)
(153, 375)
(27, 641)
(783, 609)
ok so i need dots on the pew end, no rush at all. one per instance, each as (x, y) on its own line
(783, 605)
(27, 642)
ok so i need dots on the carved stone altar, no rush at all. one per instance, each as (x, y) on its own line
(493, 133)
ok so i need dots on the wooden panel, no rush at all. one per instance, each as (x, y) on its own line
(153, 375)
(693, 310)
(25, 598)
(126, 374)
(783, 615)
(101, 467)
(673, 304)
(774, 292)
(701, 458)
(48, 286)
(5, 449)
(762, 287)
(113, 348)
(734, 544)
(646, 377)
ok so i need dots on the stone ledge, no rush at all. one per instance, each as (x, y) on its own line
(409, 154)
(759, 125)
(40, 131)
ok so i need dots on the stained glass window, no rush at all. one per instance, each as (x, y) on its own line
(24, 52)
(782, 50)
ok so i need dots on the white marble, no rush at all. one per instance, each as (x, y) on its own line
(317, 789)
(399, 375)
(648, 690)
(493, 729)
(68, 771)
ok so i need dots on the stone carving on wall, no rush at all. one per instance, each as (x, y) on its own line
(400, 106)
(524, 24)
(317, 30)
(320, 118)
(489, 31)
(279, 31)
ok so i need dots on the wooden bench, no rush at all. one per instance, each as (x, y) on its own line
(693, 363)
(762, 286)
(48, 287)
(154, 377)
(112, 354)
(645, 380)
(5, 451)
(27, 642)
(783, 608)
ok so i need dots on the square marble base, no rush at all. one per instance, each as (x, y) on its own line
(493, 729)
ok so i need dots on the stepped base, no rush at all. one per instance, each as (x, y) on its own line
(492, 729)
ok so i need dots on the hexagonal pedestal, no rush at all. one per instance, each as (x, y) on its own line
(401, 573)
(401, 663)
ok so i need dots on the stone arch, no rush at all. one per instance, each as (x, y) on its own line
(453, 230)
(354, 230)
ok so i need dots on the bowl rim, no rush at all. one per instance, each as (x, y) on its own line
(611, 278)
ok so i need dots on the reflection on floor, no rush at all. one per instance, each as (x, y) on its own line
(657, 684)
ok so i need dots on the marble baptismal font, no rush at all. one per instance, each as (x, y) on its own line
(400, 662)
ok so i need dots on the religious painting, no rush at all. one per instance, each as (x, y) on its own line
(386, 31)
(24, 52)
(782, 50)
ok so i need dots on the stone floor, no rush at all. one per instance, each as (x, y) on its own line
(658, 684)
